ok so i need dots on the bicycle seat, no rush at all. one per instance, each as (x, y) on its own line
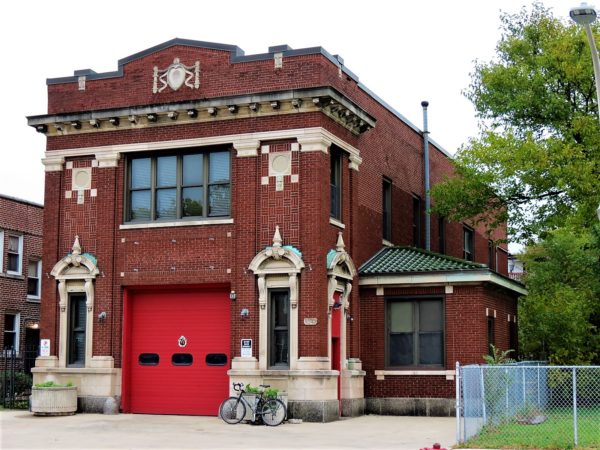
(265, 386)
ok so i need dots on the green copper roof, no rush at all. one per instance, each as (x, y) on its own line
(408, 259)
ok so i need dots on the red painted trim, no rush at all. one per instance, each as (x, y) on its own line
(125, 354)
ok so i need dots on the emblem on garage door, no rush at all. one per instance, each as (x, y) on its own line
(182, 341)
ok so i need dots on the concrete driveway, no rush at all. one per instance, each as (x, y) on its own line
(20, 429)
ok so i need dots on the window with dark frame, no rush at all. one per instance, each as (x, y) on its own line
(513, 338)
(442, 235)
(491, 255)
(416, 224)
(279, 330)
(15, 247)
(468, 244)
(386, 196)
(491, 336)
(77, 329)
(335, 184)
(11, 332)
(33, 279)
(415, 332)
(179, 186)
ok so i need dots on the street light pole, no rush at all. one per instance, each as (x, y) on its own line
(585, 15)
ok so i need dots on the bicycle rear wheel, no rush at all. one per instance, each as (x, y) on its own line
(232, 410)
(273, 412)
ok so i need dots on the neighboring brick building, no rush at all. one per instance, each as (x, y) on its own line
(20, 278)
(222, 205)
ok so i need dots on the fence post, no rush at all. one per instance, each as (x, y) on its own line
(575, 406)
(523, 382)
(483, 396)
(458, 394)
(538, 387)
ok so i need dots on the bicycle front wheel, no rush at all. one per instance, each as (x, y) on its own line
(273, 412)
(232, 410)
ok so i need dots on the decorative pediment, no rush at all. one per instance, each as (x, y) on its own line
(341, 271)
(277, 258)
(76, 265)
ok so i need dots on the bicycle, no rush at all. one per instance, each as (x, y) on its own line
(271, 410)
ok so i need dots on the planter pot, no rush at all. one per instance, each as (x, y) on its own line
(54, 401)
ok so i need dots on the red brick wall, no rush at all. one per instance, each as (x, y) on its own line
(465, 336)
(203, 254)
(24, 219)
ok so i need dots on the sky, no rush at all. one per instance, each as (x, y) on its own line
(404, 52)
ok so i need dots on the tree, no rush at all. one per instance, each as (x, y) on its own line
(536, 165)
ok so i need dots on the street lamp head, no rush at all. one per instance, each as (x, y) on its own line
(583, 14)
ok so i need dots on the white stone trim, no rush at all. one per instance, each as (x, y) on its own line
(386, 243)
(315, 138)
(381, 374)
(337, 223)
(108, 160)
(182, 223)
(53, 163)
(442, 279)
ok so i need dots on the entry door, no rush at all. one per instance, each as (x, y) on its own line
(336, 341)
(180, 345)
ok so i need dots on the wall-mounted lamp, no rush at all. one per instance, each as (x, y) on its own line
(102, 316)
(114, 121)
(41, 128)
(152, 117)
(192, 113)
(350, 317)
(245, 312)
(76, 124)
(232, 295)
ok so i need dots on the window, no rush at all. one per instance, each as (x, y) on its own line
(34, 270)
(491, 255)
(386, 196)
(77, 325)
(335, 184)
(216, 359)
(416, 225)
(182, 359)
(11, 332)
(491, 337)
(148, 359)
(468, 244)
(415, 332)
(279, 330)
(513, 338)
(15, 254)
(442, 235)
(1, 250)
(173, 187)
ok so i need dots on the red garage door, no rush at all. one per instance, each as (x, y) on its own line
(179, 357)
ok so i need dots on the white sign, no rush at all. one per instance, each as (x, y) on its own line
(246, 348)
(45, 347)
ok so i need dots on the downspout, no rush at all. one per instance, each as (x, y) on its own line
(425, 104)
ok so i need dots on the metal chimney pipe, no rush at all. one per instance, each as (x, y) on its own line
(425, 104)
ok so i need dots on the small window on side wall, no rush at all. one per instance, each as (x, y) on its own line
(386, 196)
(335, 184)
(416, 225)
(468, 244)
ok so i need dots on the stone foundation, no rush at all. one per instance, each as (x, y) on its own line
(94, 404)
(353, 407)
(398, 406)
(314, 410)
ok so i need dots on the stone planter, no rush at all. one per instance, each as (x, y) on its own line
(54, 401)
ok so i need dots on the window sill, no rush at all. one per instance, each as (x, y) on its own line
(14, 275)
(179, 223)
(337, 223)
(33, 299)
(381, 374)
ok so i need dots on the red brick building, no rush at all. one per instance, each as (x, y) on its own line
(20, 278)
(208, 213)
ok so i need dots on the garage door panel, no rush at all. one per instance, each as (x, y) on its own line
(159, 320)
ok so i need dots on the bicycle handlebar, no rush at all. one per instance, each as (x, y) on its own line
(238, 386)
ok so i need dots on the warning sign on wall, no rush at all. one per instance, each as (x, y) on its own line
(246, 348)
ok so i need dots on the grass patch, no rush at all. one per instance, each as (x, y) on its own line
(556, 432)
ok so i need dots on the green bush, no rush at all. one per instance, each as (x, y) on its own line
(23, 382)
(51, 384)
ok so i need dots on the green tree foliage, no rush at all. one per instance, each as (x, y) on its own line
(536, 165)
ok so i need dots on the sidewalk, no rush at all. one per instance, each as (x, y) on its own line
(20, 429)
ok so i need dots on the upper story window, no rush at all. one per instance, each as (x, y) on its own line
(387, 209)
(180, 186)
(335, 184)
(15, 254)
(34, 270)
(442, 235)
(415, 332)
(468, 244)
(416, 225)
(491, 255)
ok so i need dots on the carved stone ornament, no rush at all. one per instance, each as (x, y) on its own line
(175, 76)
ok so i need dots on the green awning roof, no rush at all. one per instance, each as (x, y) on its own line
(390, 260)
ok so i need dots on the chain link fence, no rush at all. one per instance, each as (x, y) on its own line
(528, 404)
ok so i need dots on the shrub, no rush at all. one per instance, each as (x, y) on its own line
(23, 382)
